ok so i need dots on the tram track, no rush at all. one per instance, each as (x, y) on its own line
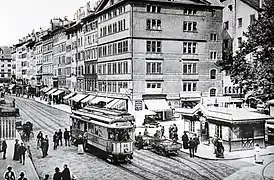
(199, 175)
(145, 158)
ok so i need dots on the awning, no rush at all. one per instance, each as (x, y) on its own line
(78, 97)
(98, 99)
(56, 93)
(47, 89)
(51, 91)
(112, 103)
(69, 95)
(120, 105)
(12, 86)
(157, 104)
(87, 99)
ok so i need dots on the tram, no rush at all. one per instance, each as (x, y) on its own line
(109, 132)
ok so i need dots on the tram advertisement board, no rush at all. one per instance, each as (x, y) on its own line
(138, 105)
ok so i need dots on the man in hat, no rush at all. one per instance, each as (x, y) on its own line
(22, 176)
(4, 148)
(16, 154)
(57, 175)
(22, 152)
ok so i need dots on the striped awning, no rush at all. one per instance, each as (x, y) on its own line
(56, 93)
(51, 91)
(78, 97)
(87, 99)
(69, 95)
(98, 99)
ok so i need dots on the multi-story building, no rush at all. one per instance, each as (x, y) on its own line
(38, 51)
(6, 68)
(237, 16)
(47, 65)
(159, 54)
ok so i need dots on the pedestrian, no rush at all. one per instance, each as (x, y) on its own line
(43, 147)
(175, 129)
(145, 132)
(170, 130)
(22, 153)
(22, 176)
(16, 154)
(46, 177)
(197, 142)
(39, 139)
(55, 141)
(80, 143)
(4, 148)
(66, 137)
(60, 135)
(185, 140)
(163, 131)
(13, 102)
(9, 174)
(257, 155)
(66, 173)
(57, 175)
(47, 145)
(191, 146)
(220, 149)
(214, 142)
(139, 140)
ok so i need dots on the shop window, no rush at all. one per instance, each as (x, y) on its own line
(213, 74)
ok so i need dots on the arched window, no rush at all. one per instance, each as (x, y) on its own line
(212, 92)
(213, 73)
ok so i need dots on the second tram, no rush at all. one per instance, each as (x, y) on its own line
(111, 132)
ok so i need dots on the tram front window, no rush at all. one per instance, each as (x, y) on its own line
(120, 134)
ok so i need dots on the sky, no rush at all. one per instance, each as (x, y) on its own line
(19, 17)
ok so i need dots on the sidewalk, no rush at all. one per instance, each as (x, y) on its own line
(28, 168)
(62, 107)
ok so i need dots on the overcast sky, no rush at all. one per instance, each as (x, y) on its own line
(20, 17)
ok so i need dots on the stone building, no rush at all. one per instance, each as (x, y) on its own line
(6, 69)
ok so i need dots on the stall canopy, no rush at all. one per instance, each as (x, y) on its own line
(98, 99)
(56, 93)
(47, 89)
(117, 104)
(11, 86)
(69, 95)
(51, 91)
(78, 97)
(87, 99)
(112, 103)
(157, 105)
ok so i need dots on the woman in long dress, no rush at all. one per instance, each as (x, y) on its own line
(80, 144)
(16, 154)
(257, 155)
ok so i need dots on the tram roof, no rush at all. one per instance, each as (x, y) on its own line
(106, 111)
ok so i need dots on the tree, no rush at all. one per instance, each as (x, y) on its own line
(253, 64)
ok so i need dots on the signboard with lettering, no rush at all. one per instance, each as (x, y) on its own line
(138, 105)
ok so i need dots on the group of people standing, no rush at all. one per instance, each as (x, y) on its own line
(20, 150)
(173, 132)
(190, 143)
(64, 175)
(218, 147)
(58, 138)
(43, 143)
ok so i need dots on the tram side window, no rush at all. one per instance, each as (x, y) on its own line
(90, 128)
(74, 123)
(122, 135)
(78, 124)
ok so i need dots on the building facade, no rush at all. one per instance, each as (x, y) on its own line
(6, 65)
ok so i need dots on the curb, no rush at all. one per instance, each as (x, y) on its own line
(227, 159)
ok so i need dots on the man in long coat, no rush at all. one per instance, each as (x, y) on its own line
(191, 145)
(4, 148)
(16, 154)
(66, 173)
(185, 140)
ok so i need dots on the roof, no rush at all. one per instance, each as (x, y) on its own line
(231, 115)
(253, 3)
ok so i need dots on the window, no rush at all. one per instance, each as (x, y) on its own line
(152, 85)
(213, 74)
(213, 37)
(226, 43)
(192, 126)
(212, 92)
(213, 55)
(252, 19)
(240, 22)
(218, 131)
(189, 86)
(190, 68)
(153, 67)
(154, 46)
(153, 24)
(213, 13)
(189, 47)
(230, 7)
(190, 12)
(153, 9)
(239, 41)
(226, 25)
(190, 26)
